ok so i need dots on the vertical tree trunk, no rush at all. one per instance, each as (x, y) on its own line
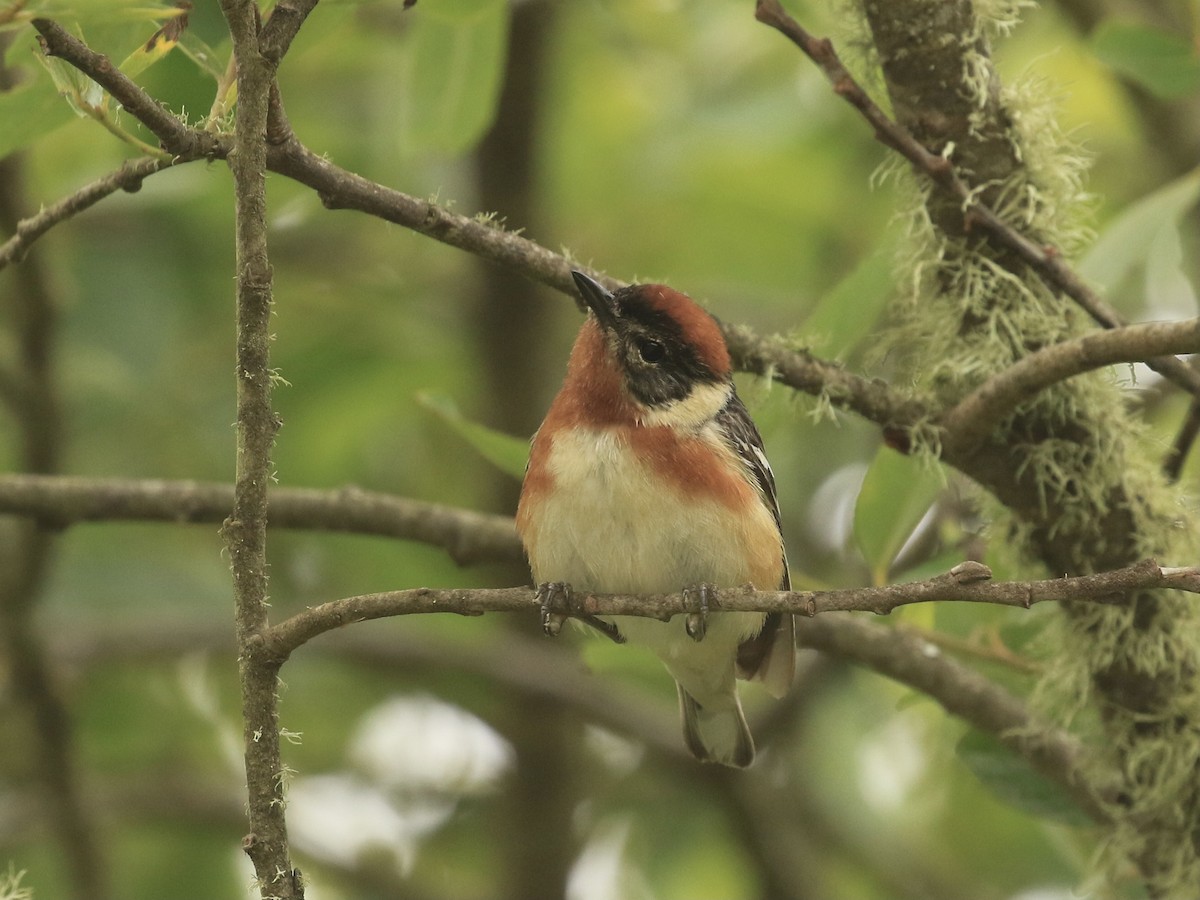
(511, 318)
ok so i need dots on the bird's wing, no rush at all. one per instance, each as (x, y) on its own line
(769, 656)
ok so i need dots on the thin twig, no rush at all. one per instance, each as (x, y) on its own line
(1188, 431)
(1044, 260)
(128, 177)
(176, 135)
(972, 419)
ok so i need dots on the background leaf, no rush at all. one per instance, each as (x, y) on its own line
(1010, 778)
(450, 70)
(895, 496)
(29, 112)
(505, 452)
(157, 46)
(1165, 64)
(1127, 240)
(846, 314)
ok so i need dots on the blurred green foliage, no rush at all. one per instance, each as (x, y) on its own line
(680, 142)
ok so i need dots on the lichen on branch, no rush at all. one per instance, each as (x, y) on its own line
(1070, 474)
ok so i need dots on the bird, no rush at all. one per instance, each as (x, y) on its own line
(648, 476)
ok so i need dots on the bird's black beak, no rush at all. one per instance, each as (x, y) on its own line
(599, 299)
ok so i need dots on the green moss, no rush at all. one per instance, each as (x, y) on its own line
(1123, 676)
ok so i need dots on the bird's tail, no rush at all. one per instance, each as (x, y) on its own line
(716, 733)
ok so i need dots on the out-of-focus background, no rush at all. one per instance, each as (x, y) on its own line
(439, 757)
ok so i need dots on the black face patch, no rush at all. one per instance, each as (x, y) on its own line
(660, 367)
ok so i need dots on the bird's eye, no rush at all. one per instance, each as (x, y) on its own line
(650, 350)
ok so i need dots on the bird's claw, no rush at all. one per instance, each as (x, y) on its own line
(608, 629)
(698, 596)
(557, 602)
(554, 598)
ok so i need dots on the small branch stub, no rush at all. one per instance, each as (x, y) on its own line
(970, 572)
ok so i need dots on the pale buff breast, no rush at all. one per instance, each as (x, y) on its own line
(612, 525)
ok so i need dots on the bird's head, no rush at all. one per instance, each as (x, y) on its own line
(670, 354)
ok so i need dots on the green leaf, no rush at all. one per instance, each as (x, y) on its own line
(505, 452)
(449, 76)
(896, 493)
(210, 61)
(162, 42)
(1164, 63)
(1168, 287)
(1127, 240)
(461, 10)
(105, 12)
(845, 315)
(1011, 779)
(30, 111)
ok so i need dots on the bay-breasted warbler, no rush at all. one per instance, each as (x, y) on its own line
(648, 477)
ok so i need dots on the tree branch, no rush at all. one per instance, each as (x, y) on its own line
(1044, 260)
(128, 177)
(967, 582)
(1188, 431)
(905, 658)
(245, 530)
(964, 693)
(282, 27)
(175, 135)
(972, 419)
(544, 674)
(60, 501)
(341, 189)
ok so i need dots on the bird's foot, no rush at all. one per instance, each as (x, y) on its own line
(698, 597)
(557, 601)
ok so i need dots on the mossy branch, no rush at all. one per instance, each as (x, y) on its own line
(1072, 464)
(967, 424)
(976, 217)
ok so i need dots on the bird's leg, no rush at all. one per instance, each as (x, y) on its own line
(698, 597)
(558, 604)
